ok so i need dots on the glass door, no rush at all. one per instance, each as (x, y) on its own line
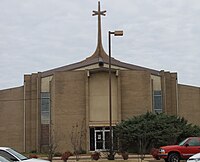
(102, 139)
(99, 140)
(107, 139)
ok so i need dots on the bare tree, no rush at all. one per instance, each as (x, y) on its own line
(53, 144)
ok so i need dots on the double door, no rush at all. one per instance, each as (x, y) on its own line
(102, 140)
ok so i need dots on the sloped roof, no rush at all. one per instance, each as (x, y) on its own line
(94, 59)
(98, 55)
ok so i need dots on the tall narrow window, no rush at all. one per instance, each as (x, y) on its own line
(45, 108)
(45, 118)
(157, 99)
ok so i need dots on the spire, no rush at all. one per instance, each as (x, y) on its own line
(99, 13)
(99, 52)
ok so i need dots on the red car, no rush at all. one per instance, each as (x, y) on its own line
(185, 149)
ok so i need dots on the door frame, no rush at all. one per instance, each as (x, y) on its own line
(95, 141)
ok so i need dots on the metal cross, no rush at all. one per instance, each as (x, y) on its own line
(99, 12)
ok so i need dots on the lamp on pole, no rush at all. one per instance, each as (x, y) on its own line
(115, 33)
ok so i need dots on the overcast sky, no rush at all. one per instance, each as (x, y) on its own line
(38, 35)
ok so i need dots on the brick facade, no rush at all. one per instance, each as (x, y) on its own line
(12, 118)
(74, 95)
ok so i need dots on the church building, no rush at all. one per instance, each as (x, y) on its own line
(69, 106)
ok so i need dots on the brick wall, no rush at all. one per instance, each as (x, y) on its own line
(11, 118)
(68, 108)
(189, 103)
(32, 101)
(135, 93)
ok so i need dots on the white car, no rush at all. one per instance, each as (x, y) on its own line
(2, 159)
(194, 158)
(14, 156)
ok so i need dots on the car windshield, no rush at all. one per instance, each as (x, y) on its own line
(18, 155)
(183, 142)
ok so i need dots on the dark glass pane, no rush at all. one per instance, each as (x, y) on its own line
(45, 105)
(107, 140)
(92, 148)
(157, 101)
(107, 128)
(115, 141)
(157, 92)
(45, 108)
(99, 140)
(98, 128)
(45, 117)
(158, 111)
(45, 95)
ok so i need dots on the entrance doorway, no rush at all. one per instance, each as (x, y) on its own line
(99, 138)
(102, 139)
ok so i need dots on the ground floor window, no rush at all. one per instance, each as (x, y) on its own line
(45, 119)
(100, 138)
